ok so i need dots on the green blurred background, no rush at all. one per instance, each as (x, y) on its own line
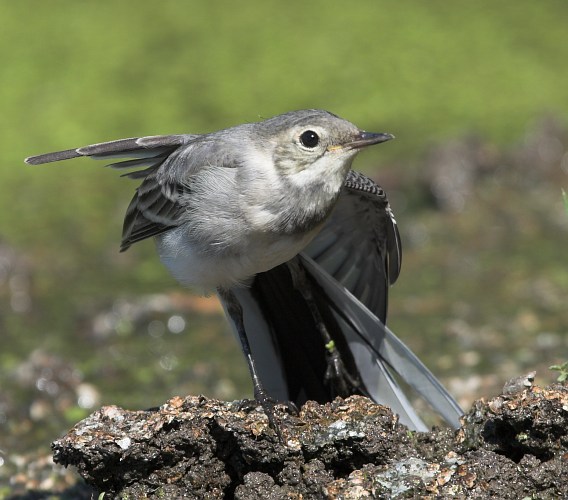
(476, 93)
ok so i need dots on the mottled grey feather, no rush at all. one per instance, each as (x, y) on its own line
(155, 206)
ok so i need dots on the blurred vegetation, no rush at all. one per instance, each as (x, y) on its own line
(470, 299)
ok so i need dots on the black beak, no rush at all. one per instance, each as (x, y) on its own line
(364, 139)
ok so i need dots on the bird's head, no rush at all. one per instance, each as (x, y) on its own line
(314, 140)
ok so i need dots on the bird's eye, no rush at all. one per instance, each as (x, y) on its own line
(309, 139)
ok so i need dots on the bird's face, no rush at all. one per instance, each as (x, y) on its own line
(310, 144)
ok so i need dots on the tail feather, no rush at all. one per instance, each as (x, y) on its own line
(292, 358)
(368, 336)
(382, 388)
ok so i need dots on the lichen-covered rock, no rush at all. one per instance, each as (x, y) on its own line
(513, 446)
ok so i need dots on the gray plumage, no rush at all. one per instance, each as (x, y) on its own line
(300, 248)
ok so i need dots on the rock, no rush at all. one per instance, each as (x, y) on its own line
(513, 446)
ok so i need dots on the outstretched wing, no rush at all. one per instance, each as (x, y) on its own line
(134, 147)
(360, 245)
(155, 206)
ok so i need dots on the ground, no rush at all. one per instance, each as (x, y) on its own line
(512, 446)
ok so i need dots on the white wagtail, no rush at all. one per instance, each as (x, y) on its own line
(300, 249)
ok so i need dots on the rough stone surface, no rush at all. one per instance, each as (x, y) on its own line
(513, 446)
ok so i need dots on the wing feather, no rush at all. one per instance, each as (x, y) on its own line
(156, 205)
(360, 245)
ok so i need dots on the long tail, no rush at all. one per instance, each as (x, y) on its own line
(294, 362)
(377, 351)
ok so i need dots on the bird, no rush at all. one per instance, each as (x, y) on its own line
(300, 249)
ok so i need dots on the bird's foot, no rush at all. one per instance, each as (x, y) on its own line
(268, 405)
(337, 375)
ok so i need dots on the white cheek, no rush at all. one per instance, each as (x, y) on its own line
(328, 172)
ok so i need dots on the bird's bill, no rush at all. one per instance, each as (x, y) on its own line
(362, 140)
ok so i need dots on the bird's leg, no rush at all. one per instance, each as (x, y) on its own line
(235, 311)
(336, 373)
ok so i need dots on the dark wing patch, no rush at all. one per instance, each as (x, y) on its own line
(358, 182)
(359, 245)
(155, 208)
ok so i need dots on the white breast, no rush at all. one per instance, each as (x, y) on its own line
(204, 270)
(237, 222)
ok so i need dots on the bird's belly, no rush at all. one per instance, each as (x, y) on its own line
(205, 269)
